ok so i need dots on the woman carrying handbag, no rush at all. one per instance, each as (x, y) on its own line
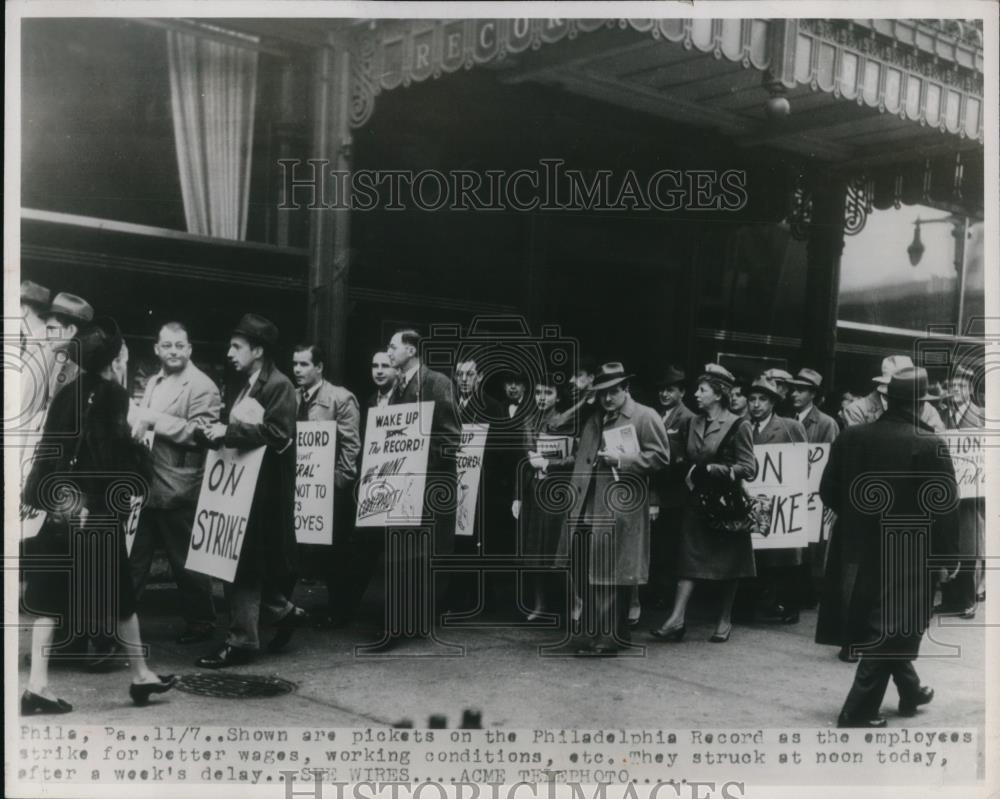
(714, 542)
(79, 565)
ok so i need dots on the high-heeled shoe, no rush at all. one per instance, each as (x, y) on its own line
(141, 691)
(719, 638)
(32, 703)
(669, 634)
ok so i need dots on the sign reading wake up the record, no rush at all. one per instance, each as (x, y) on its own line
(394, 465)
(220, 522)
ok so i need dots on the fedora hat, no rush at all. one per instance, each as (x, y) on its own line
(257, 329)
(718, 373)
(672, 377)
(34, 293)
(778, 376)
(808, 378)
(609, 374)
(909, 384)
(766, 386)
(72, 307)
(890, 366)
(100, 344)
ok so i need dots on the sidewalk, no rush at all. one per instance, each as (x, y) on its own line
(766, 676)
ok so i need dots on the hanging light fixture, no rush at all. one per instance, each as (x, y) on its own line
(916, 248)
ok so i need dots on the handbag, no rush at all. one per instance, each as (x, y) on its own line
(730, 508)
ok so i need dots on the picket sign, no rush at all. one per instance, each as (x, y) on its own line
(470, 467)
(316, 456)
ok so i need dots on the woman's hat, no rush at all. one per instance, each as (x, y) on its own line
(766, 386)
(610, 374)
(672, 377)
(717, 373)
(100, 344)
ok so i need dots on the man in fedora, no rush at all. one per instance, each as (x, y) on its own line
(623, 443)
(782, 381)
(960, 593)
(806, 386)
(262, 415)
(873, 405)
(780, 570)
(671, 492)
(67, 318)
(878, 588)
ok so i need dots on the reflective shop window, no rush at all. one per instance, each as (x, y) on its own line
(898, 273)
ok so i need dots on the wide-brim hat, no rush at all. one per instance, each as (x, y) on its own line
(610, 374)
(672, 377)
(100, 344)
(890, 366)
(766, 386)
(909, 385)
(35, 293)
(257, 329)
(778, 376)
(72, 307)
(808, 378)
(715, 372)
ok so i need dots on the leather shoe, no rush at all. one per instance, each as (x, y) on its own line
(32, 703)
(225, 657)
(845, 655)
(195, 635)
(876, 722)
(908, 706)
(141, 691)
(286, 626)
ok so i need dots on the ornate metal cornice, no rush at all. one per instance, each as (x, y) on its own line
(902, 67)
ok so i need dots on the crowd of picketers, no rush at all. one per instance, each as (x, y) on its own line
(561, 452)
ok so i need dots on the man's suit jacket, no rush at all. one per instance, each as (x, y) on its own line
(440, 490)
(269, 542)
(780, 430)
(869, 408)
(178, 457)
(820, 428)
(332, 403)
(670, 488)
(972, 416)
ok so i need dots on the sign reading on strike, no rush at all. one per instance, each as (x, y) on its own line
(470, 466)
(781, 473)
(220, 522)
(969, 459)
(816, 463)
(316, 452)
(394, 465)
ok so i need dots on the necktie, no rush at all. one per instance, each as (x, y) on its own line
(303, 406)
(756, 427)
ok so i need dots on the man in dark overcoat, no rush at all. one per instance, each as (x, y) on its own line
(892, 485)
(262, 415)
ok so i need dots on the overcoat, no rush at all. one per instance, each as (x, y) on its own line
(332, 403)
(704, 553)
(669, 483)
(493, 519)
(616, 511)
(878, 588)
(440, 489)
(269, 542)
(544, 499)
(820, 428)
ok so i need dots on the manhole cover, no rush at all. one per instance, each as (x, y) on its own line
(234, 686)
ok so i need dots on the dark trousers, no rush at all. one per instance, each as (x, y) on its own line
(662, 547)
(415, 596)
(249, 604)
(171, 529)
(871, 680)
(959, 593)
(604, 623)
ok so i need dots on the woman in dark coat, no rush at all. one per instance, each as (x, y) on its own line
(719, 452)
(82, 569)
(543, 492)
